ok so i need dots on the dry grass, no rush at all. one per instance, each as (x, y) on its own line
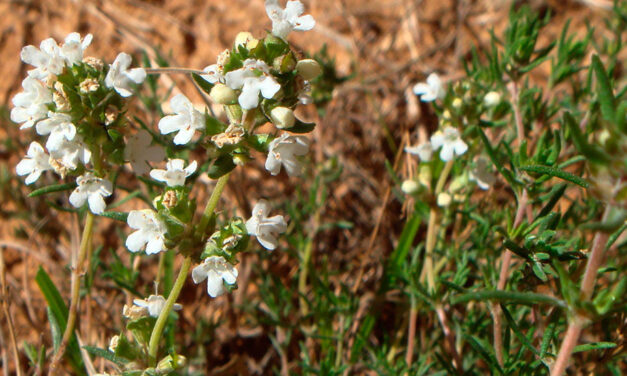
(387, 45)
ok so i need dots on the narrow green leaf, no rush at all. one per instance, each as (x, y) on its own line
(55, 329)
(118, 216)
(96, 351)
(556, 172)
(606, 96)
(51, 189)
(594, 346)
(558, 192)
(301, 127)
(517, 331)
(546, 339)
(202, 83)
(493, 157)
(507, 296)
(482, 349)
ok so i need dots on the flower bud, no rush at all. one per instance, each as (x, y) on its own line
(444, 199)
(282, 117)
(171, 363)
(240, 159)
(492, 99)
(88, 85)
(447, 114)
(410, 187)
(246, 40)
(457, 103)
(309, 69)
(93, 62)
(223, 94)
(113, 343)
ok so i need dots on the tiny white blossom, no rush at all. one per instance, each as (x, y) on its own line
(73, 48)
(120, 76)
(186, 121)
(68, 154)
(283, 151)
(431, 90)
(150, 232)
(451, 143)
(254, 78)
(60, 128)
(265, 228)
(424, 151)
(213, 74)
(139, 152)
(34, 164)
(93, 190)
(215, 269)
(175, 174)
(30, 105)
(481, 174)
(46, 59)
(154, 304)
(288, 19)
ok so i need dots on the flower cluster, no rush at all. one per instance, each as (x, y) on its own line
(68, 98)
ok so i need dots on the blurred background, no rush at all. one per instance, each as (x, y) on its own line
(346, 209)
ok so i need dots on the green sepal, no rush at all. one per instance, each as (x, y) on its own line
(142, 329)
(204, 85)
(222, 166)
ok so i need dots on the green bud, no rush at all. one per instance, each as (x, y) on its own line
(222, 94)
(282, 117)
(171, 363)
(308, 69)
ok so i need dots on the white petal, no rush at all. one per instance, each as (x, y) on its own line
(421, 88)
(135, 241)
(137, 75)
(96, 203)
(199, 273)
(460, 147)
(159, 175)
(30, 179)
(78, 198)
(230, 277)
(249, 98)
(446, 154)
(190, 169)
(269, 87)
(184, 136)
(155, 245)
(25, 167)
(305, 23)
(171, 123)
(215, 286)
(273, 164)
(268, 241)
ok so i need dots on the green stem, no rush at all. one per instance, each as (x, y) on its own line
(153, 345)
(155, 336)
(76, 284)
(212, 203)
(173, 70)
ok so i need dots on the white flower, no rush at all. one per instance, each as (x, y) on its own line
(481, 174)
(288, 19)
(60, 128)
(139, 152)
(492, 98)
(283, 150)
(93, 190)
(150, 232)
(186, 121)
(30, 105)
(68, 154)
(34, 164)
(444, 199)
(215, 269)
(252, 79)
(73, 48)
(120, 77)
(424, 151)
(265, 228)
(154, 304)
(175, 174)
(431, 90)
(450, 142)
(214, 74)
(46, 59)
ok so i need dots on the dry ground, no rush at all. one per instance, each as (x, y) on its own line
(387, 45)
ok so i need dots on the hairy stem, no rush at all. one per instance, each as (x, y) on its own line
(427, 271)
(155, 336)
(173, 70)
(75, 294)
(587, 287)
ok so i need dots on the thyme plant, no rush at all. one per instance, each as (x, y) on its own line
(80, 105)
